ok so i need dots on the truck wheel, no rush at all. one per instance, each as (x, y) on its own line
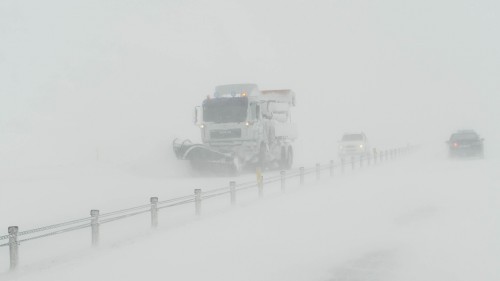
(289, 158)
(283, 158)
(286, 160)
(271, 134)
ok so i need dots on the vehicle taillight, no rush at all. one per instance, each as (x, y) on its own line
(455, 144)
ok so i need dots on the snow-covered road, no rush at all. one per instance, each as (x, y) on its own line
(422, 217)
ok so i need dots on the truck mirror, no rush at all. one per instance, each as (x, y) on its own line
(198, 116)
(254, 111)
(257, 112)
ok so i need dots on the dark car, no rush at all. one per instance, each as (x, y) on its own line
(465, 143)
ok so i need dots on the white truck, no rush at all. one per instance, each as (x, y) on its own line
(354, 145)
(242, 126)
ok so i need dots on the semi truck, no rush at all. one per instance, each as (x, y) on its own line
(242, 127)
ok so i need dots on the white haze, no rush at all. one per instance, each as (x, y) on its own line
(123, 76)
(92, 93)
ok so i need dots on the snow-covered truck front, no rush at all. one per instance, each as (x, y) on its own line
(242, 126)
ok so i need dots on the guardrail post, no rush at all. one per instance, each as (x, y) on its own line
(342, 165)
(331, 168)
(197, 202)
(94, 223)
(301, 169)
(258, 174)
(283, 177)
(352, 162)
(154, 211)
(232, 190)
(13, 247)
(261, 187)
(318, 171)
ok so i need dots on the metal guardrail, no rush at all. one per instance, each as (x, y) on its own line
(16, 237)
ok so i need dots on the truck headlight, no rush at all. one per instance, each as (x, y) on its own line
(360, 146)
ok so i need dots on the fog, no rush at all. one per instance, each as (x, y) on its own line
(123, 77)
(92, 93)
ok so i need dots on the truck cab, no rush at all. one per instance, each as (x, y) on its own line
(353, 145)
(232, 120)
(241, 125)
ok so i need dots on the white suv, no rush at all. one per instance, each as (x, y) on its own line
(353, 144)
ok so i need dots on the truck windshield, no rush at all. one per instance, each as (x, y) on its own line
(225, 110)
(352, 137)
(464, 136)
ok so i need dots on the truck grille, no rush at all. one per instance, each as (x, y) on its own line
(225, 134)
(351, 148)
